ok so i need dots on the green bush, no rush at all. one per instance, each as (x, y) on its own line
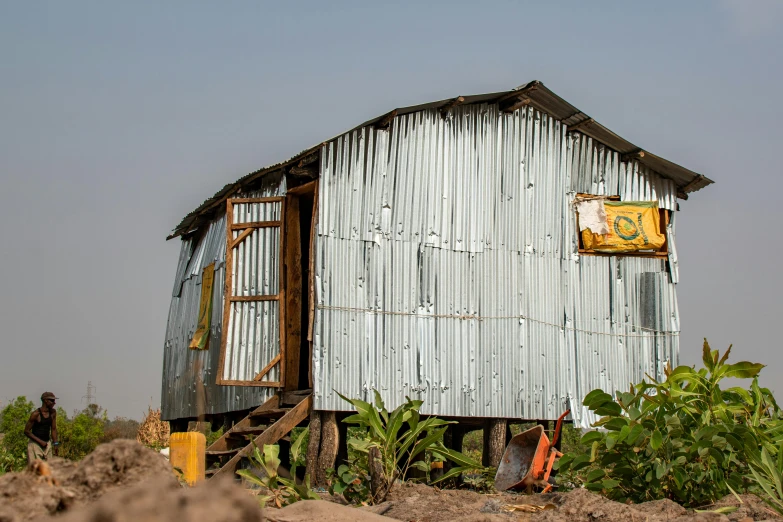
(81, 434)
(685, 438)
(13, 448)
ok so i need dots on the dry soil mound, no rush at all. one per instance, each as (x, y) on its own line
(164, 501)
(120, 463)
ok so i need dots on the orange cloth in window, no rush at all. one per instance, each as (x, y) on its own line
(633, 226)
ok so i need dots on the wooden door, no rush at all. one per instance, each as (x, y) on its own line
(254, 307)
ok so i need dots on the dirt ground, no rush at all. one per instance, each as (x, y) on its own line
(416, 502)
(123, 481)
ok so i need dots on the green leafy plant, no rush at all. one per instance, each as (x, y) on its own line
(397, 442)
(481, 480)
(10, 461)
(684, 438)
(351, 481)
(768, 475)
(13, 447)
(279, 491)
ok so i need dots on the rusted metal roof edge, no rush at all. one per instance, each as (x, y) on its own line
(533, 93)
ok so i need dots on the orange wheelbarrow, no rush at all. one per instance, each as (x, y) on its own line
(528, 459)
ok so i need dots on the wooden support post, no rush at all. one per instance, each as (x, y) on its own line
(293, 294)
(285, 454)
(494, 442)
(313, 446)
(377, 478)
(559, 442)
(342, 444)
(330, 439)
(178, 425)
(452, 439)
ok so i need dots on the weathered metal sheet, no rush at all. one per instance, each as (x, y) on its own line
(447, 269)
(189, 376)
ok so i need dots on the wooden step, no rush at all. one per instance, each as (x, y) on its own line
(222, 453)
(244, 431)
(275, 412)
(270, 435)
(223, 442)
(292, 398)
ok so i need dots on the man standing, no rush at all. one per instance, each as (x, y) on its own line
(41, 429)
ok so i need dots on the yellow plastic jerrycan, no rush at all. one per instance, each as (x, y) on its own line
(187, 453)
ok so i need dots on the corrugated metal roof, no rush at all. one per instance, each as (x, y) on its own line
(534, 94)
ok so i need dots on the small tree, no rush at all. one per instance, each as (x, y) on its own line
(13, 449)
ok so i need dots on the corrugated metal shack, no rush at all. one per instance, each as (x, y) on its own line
(437, 256)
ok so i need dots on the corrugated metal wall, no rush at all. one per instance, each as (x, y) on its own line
(447, 268)
(184, 369)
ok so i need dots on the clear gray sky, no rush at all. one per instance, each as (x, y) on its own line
(118, 119)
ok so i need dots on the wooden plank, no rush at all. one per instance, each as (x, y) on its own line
(277, 412)
(292, 398)
(310, 158)
(258, 200)
(281, 303)
(221, 444)
(251, 298)
(664, 224)
(311, 285)
(247, 430)
(229, 264)
(445, 108)
(293, 286)
(263, 384)
(514, 104)
(222, 453)
(256, 224)
(385, 121)
(271, 364)
(307, 188)
(274, 433)
(244, 235)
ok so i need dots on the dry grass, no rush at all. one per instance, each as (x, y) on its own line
(153, 432)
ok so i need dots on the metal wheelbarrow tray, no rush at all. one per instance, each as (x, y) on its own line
(528, 459)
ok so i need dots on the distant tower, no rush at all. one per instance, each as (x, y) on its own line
(90, 397)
